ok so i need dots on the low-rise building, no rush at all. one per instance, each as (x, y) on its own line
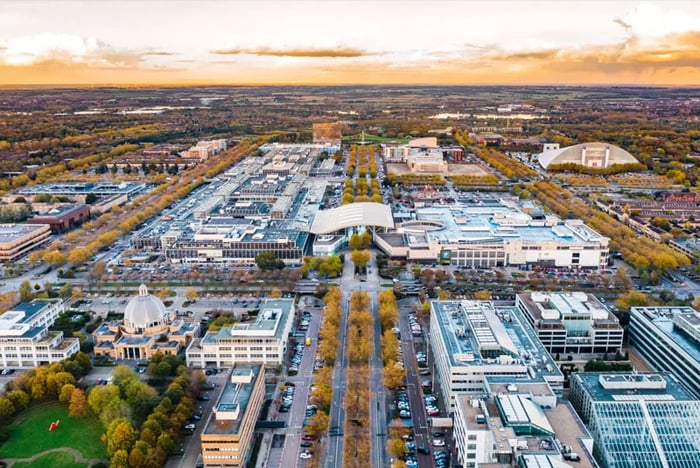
(148, 328)
(62, 218)
(571, 323)
(264, 341)
(638, 419)
(25, 339)
(476, 345)
(513, 429)
(668, 338)
(228, 433)
(16, 240)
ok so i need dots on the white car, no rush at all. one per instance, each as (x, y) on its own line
(305, 455)
(438, 443)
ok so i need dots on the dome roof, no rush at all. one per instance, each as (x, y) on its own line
(144, 310)
(595, 154)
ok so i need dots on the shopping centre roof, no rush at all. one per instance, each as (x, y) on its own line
(354, 214)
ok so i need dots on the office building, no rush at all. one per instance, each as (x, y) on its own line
(513, 429)
(62, 218)
(571, 323)
(228, 433)
(477, 346)
(25, 339)
(638, 420)
(668, 338)
(16, 240)
(263, 341)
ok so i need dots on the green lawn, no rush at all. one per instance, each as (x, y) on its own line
(52, 460)
(29, 434)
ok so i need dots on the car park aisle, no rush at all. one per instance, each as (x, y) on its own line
(302, 383)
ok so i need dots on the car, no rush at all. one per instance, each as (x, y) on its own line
(306, 443)
(190, 427)
(438, 434)
(424, 372)
(424, 449)
(195, 417)
(404, 414)
(203, 398)
(305, 455)
(438, 443)
(308, 437)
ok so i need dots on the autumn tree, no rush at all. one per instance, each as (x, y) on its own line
(78, 407)
(393, 376)
(25, 291)
(191, 294)
(360, 258)
(355, 242)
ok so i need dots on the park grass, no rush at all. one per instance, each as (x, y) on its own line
(29, 434)
(52, 460)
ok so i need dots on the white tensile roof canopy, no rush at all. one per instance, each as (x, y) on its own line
(353, 214)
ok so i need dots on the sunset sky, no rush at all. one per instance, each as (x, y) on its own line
(355, 42)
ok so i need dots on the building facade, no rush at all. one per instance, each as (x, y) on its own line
(228, 433)
(638, 419)
(264, 341)
(25, 339)
(148, 328)
(571, 323)
(16, 240)
(668, 338)
(476, 346)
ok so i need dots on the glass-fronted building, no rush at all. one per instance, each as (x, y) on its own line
(639, 420)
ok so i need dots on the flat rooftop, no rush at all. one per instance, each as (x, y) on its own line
(479, 333)
(12, 232)
(234, 397)
(272, 316)
(560, 305)
(656, 386)
(665, 321)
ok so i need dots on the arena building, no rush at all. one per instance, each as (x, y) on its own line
(595, 155)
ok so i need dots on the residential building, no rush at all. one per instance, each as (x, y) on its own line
(476, 346)
(16, 240)
(513, 429)
(571, 323)
(264, 341)
(228, 432)
(638, 419)
(668, 338)
(148, 328)
(25, 339)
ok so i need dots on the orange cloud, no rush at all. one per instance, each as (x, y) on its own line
(337, 52)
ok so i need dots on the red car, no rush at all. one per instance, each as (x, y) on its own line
(308, 437)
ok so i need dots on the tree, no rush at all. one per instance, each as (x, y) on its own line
(360, 258)
(66, 393)
(268, 261)
(7, 409)
(120, 459)
(25, 291)
(19, 398)
(65, 291)
(394, 375)
(482, 295)
(355, 242)
(276, 293)
(317, 424)
(78, 407)
(120, 436)
(191, 294)
(102, 396)
(367, 237)
(396, 447)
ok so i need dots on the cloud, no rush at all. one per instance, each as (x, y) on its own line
(326, 52)
(158, 53)
(67, 48)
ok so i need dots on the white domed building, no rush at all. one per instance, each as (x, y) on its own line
(148, 328)
(595, 155)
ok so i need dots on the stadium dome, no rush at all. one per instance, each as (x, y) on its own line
(145, 311)
(596, 155)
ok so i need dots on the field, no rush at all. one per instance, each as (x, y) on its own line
(29, 434)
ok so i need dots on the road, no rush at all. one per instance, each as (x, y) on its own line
(378, 426)
(302, 383)
(334, 457)
(413, 379)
